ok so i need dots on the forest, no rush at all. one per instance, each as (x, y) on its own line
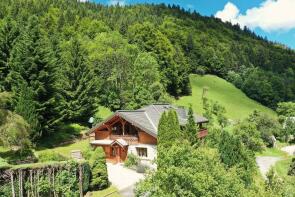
(60, 59)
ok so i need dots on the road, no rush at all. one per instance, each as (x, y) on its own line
(123, 178)
(265, 163)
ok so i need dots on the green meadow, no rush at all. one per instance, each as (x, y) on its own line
(236, 103)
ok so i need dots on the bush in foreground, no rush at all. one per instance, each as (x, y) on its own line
(291, 171)
(99, 179)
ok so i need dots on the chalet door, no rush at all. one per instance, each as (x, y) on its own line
(116, 152)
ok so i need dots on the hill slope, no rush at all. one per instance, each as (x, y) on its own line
(237, 104)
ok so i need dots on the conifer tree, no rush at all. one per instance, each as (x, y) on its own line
(168, 133)
(191, 128)
(32, 63)
(26, 107)
(78, 85)
(8, 34)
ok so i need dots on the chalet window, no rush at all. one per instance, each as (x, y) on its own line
(142, 152)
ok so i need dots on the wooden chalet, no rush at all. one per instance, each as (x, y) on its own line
(135, 131)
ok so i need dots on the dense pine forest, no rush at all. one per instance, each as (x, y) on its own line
(61, 59)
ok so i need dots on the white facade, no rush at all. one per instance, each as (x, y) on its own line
(151, 151)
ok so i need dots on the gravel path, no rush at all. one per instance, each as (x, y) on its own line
(289, 149)
(123, 178)
(265, 163)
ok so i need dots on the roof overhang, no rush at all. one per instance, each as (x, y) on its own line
(120, 142)
(102, 142)
(123, 117)
(108, 142)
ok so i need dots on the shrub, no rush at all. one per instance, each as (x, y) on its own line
(131, 161)
(291, 171)
(99, 179)
(87, 153)
(63, 178)
(50, 156)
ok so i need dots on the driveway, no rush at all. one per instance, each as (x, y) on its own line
(289, 149)
(123, 178)
(265, 163)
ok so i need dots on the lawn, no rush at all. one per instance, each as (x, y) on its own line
(282, 167)
(236, 103)
(64, 133)
(109, 192)
(65, 150)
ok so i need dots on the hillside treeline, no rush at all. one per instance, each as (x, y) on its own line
(61, 59)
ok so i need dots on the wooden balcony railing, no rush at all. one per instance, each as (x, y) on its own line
(130, 139)
(202, 133)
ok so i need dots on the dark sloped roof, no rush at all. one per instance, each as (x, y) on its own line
(147, 118)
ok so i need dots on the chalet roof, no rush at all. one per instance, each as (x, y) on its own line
(147, 118)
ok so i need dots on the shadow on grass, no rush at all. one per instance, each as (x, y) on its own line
(65, 135)
(18, 157)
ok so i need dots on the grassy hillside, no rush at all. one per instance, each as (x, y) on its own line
(237, 104)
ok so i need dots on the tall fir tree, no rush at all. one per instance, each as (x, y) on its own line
(169, 134)
(32, 62)
(27, 108)
(8, 34)
(191, 127)
(78, 85)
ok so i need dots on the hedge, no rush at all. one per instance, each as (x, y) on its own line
(67, 178)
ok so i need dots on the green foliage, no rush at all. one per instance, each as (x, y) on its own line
(14, 130)
(77, 84)
(227, 95)
(267, 126)
(131, 161)
(233, 153)
(8, 34)
(73, 57)
(99, 175)
(64, 134)
(50, 156)
(291, 170)
(286, 109)
(27, 108)
(32, 65)
(215, 113)
(191, 127)
(61, 178)
(19, 156)
(286, 112)
(169, 133)
(129, 78)
(171, 59)
(249, 136)
(192, 172)
(274, 184)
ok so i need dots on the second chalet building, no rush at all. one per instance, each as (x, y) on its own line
(135, 131)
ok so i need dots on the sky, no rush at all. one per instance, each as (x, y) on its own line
(274, 19)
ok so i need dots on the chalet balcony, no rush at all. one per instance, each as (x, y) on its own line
(130, 139)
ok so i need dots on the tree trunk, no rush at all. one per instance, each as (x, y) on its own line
(12, 184)
(81, 180)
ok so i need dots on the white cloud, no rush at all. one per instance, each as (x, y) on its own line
(271, 15)
(229, 13)
(117, 2)
(83, 1)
